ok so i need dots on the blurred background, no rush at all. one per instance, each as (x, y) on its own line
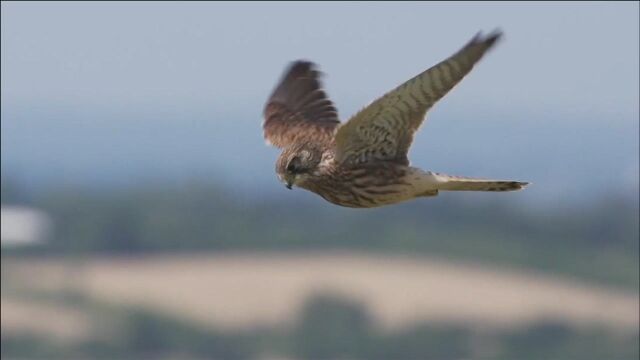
(142, 218)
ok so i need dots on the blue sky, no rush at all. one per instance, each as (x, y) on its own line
(117, 92)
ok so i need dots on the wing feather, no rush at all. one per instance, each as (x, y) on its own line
(384, 130)
(298, 109)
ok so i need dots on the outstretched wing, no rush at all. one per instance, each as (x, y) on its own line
(298, 109)
(383, 131)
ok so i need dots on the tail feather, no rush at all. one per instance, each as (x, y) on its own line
(458, 183)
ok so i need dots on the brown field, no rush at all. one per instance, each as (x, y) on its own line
(245, 290)
(60, 322)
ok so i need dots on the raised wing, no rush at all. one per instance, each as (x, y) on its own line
(298, 109)
(383, 131)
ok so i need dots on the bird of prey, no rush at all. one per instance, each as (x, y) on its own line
(363, 162)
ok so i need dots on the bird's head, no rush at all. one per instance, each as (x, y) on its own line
(296, 165)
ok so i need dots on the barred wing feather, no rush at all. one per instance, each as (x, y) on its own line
(384, 130)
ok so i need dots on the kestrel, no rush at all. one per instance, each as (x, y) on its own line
(363, 162)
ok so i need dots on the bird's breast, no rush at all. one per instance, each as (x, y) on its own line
(361, 186)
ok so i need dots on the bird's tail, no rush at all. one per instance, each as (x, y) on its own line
(458, 183)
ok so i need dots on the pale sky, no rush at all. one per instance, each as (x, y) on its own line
(131, 90)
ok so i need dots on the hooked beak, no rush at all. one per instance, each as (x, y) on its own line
(287, 180)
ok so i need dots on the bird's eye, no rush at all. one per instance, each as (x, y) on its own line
(294, 165)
